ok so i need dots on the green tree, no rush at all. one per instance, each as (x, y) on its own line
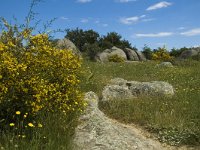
(113, 39)
(91, 36)
(147, 52)
(77, 36)
(177, 52)
(80, 37)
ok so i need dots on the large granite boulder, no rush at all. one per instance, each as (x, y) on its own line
(104, 56)
(69, 45)
(190, 53)
(131, 54)
(141, 56)
(98, 132)
(123, 89)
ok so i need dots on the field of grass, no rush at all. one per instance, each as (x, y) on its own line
(56, 133)
(175, 120)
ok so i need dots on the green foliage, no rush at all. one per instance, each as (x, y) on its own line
(177, 52)
(91, 43)
(80, 37)
(147, 52)
(113, 39)
(115, 58)
(91, 50)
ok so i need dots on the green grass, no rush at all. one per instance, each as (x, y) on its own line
(175, 120)
(56, 133)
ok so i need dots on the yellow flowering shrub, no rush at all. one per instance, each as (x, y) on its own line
(161, 55)
(115, 58)
(35, 76)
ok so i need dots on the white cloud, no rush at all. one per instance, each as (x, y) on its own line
(84, 1)
(84, 20)
(160, 34)
(131, 20)
(124, 1)
(64, 18)
(148, 19)
(191, 32)
(162, 4)
(104, 25)
(97, 22)
(181, 28)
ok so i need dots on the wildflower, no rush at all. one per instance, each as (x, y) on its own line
(18, 112)
(25, 116)
(40, 125)
(23, 136)
(30, 125)
(12, 124)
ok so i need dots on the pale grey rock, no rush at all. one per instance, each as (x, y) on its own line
(189, 53)
(131, 54)
(154, 88)
(141, 56)
(68, 45)
(122, 89)
(119, 52)
(165, 65)
(98, 132)
(104, 56)
(112, 92)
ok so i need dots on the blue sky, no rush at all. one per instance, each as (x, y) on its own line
(174, 23)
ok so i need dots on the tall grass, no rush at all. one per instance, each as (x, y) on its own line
(175, 120)
(56, 133)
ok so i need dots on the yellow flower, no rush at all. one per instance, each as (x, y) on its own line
(12, 124)
(30, 125)
(23, 136)
(18, 112)
(25, 116)
(40, 125)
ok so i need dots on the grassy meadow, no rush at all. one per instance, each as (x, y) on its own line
(175, 120)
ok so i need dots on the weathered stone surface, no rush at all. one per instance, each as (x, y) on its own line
(141, 56)
(104, 56)
(123, 89)
(189, 53)
(98, 132)
(131, 54)
(119, 52)
(165, 65)
(69, 45)
(112, 92)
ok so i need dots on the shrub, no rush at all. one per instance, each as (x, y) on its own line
(115, 58)
(34, 77)
(161, 54)
(91, 50)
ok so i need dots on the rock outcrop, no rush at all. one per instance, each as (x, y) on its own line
(104, 56)
(69, 45)
(126, 54)
(98, 132)
(189, 53)
(131, 54)
(123, 89)
(141, 56)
